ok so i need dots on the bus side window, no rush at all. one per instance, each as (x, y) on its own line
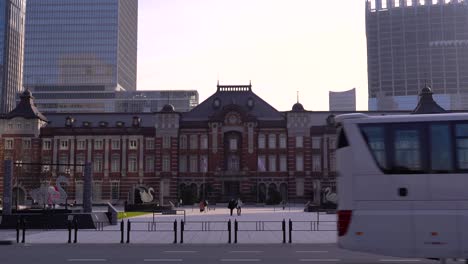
(441, 148)
(374, 136)
(462, 146)
(342, 139)
(407, 149)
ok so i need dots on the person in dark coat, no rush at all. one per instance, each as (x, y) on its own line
(232, 205)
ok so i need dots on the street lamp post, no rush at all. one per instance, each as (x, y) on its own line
(67, 172)
(45, 170)
(19, 165)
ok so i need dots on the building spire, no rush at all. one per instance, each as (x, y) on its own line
(297, 94)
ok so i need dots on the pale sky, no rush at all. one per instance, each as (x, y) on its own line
(283, 46)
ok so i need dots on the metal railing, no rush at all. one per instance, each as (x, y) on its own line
(154, 226)
(99, 227)
(205, 226)
(282, 227)
(272, 226)
(310, 226)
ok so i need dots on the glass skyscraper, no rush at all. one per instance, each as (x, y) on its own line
(12, 18)
(411, 42)
(81, 45)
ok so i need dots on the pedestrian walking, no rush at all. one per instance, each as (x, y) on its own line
(232, 205)
(239, 206)
(205, 203)
(202, 206)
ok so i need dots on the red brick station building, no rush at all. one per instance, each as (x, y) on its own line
(234, 144)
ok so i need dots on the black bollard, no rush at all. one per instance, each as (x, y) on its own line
(284, 231)
(69, 227)
(76, 231)
(236, 228)
(290, 231)
(129, 228)
(175, 231)
(122, 232)
(17, 231)
(229, 231)
(182, 224)
(24, 232)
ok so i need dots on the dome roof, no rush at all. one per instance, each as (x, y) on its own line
(168, 108)
(298, 107)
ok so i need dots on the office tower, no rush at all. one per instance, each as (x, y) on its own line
(411, 42)
(12, 16)
(81, 45)
(342, 101)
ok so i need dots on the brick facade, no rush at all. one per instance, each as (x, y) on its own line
(232, 145)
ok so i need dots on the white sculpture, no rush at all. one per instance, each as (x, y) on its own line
(41, 194)
(47, 194)
(146, 196)
(330, 196)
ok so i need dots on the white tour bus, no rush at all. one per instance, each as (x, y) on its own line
(403, 184)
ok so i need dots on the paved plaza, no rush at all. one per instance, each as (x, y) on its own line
(201, 228)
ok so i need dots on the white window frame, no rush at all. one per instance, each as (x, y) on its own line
(261, 141)
(27, 144)
(115, 163)
(193, 163)
(299, 141)
(115, 144)
(272, 141)
(203, 142)
(283, 141)
(316, 142)
(47, 144)
(133, 144)
(132, 163)
(183, 142)
(114, 185)
(299, 162)
(183, 163)
(150, 143)
(166, 163)
(283, 163)
(63, 144)
(98, 164)
(166, 144)
(193, 141)
(272, 163)
(316, 163)
(9, 143)
(81, 144)
(149, 163)
(80, 159)
(233, 144)
(99, 144)
(261, 163)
